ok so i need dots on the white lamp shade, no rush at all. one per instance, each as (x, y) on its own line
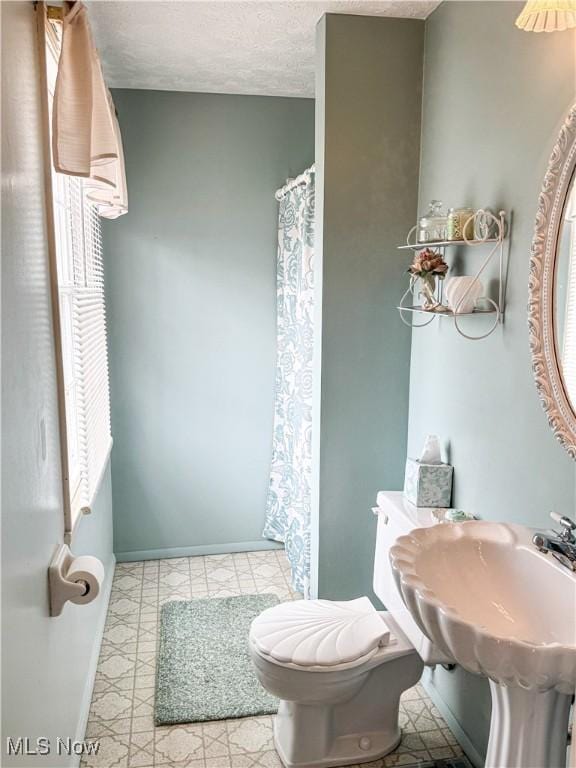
(547, 16)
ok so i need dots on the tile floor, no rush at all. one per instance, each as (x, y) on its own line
(121, 715)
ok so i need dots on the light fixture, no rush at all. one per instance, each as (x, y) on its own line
(547, 16)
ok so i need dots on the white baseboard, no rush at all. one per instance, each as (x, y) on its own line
(94, 656)
(469, 749)
(202, 549)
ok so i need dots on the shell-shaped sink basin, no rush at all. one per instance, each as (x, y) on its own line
(489, 599)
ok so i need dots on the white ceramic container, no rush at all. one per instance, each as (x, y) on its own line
(462, 293)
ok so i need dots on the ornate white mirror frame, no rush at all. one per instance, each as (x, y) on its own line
(541, 306)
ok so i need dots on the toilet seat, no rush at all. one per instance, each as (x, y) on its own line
(320, 634)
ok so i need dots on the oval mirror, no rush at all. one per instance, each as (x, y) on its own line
(565, 296)
(552, 306)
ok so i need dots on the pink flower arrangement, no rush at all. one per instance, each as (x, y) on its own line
(428, 262)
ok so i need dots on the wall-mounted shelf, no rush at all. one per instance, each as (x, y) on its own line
(444, 244)
(494, 229)
(447, 312)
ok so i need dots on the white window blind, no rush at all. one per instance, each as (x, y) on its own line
(81, 305)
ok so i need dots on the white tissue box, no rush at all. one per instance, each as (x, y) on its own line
(428, 485)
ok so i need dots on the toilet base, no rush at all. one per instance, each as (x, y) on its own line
(346, 750)
(360, 727)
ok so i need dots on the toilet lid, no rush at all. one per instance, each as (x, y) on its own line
(319, 632)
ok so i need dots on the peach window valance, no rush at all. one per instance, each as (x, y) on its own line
(86, 137)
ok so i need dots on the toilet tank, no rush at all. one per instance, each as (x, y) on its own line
(397, 517)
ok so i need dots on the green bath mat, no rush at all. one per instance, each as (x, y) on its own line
(204, 666)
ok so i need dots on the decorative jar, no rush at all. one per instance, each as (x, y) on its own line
(460, 225)
(432, 226)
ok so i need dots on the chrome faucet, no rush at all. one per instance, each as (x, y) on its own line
(561, 544)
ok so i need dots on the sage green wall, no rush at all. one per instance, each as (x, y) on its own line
(369, 75)
(48, 664)
(494, 100)
(191, 289)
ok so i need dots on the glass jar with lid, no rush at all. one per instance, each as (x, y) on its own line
(432, 226)
(460, 224)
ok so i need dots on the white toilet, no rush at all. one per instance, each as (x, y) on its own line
(339, 668)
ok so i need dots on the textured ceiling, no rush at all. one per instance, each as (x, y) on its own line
(222, 46)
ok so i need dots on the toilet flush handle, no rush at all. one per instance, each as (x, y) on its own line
(381, 514)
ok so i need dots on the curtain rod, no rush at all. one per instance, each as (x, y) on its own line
(291, 183)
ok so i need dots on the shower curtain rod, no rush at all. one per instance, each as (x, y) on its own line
(291, 183)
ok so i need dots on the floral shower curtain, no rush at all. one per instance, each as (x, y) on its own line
(288, 502)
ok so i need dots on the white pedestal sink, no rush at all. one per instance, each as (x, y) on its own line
(500, 608)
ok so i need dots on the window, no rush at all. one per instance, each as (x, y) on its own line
(79, 321)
